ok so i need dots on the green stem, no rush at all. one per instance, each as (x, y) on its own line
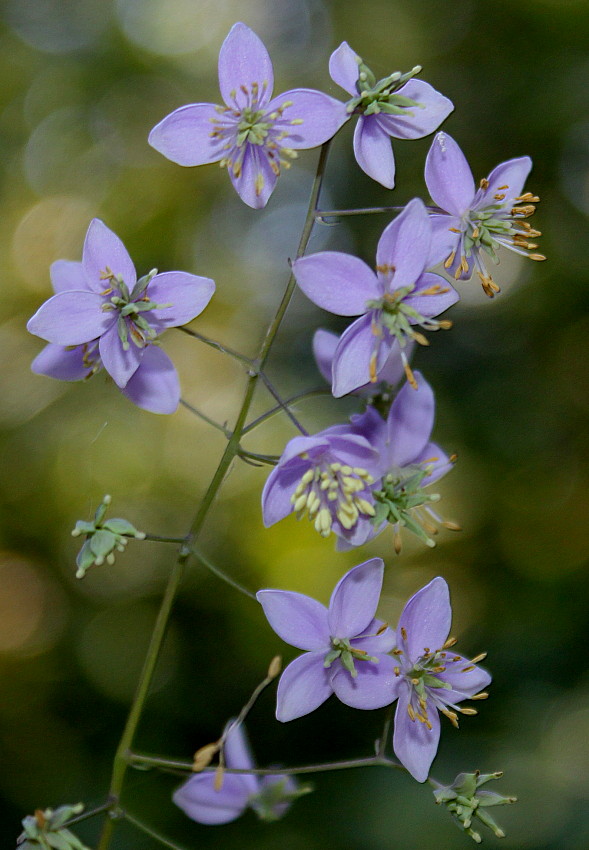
(288, 401)
(157, 836)
(206, 418)
(222, 575)
(271, 460)
(231, 450)
(282, 404)
(321, 215)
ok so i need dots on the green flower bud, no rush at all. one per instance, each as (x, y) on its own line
(46, 829)
(103, 539)
(466, 802)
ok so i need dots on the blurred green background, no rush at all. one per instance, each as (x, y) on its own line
(81, 84)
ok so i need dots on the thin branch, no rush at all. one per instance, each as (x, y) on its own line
(282, 404)
(156, 538)
(321, 215)
(271, 460)
(206, 418)
(224, 349)
(90, 813)
(220, 574)
(385, 731)
(288, 401)
(151, 832)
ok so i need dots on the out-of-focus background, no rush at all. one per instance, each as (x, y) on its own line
(81, 84)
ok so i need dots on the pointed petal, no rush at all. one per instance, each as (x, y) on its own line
(238, 754)
(185, 136)
(405, 244)
(351, 362)
(71, 318)
(373, 643)
(431, 305)
(244, 61)
(255, 181)
(320, 118)
(154, 385)
(371, 426)
(437, 459)
(374, 687)
(202, 803)
(444, 240)
(511, 174)
(324, 345)
(103, 249)
(448, 176)
(418, 121)
(278, 489)
(337, 282)
(464, 685)
(343, 68)
(296, 618)
(414, 744)
(120, 364)
(426, 618)
(303, 687)
(355, 598)
(65, 364)
(66, 274)
(410, 422)
(373, 151)
(188, 295)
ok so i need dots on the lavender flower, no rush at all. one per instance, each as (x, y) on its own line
(102, 316)
(396, 106)
(477, 221)
(390, 302)
(328, 476)
(346, 646)
(253, 135)
(269, 796)
(429, 677)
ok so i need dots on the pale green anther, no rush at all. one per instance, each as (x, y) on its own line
(143, 283)
(123, 333)
(308, 476)
(102, 538)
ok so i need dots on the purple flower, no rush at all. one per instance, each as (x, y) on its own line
(253, 135)
(346, 646)
(477, 221)
(268, 796)
(396, 106)
(429, 677)
(390, 302)
(328, 476)
(101, 315)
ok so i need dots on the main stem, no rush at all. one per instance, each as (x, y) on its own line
(120, 763)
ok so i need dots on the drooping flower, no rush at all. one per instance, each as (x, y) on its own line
(429, 677)
(329, 476)
(391, 301)
(47, 829)
(468, 802)
(396, 107)
(101, 315)
(253, 135)
(476, 222)
(269, 796)
(345, 645)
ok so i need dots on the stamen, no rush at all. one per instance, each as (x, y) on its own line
(450, 642)
(479, 657)
(450, 258)
(481, 695)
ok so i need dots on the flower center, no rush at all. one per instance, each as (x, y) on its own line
(333, 491)
(130, 306)
(381, 96)
(342, 649)
(251, 128)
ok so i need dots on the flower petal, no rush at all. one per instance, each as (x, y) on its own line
(244, 62)
(431, 304)
(324, 345)
(374, 643)
(185, 136)
(71, 318)
(66, 274)
(375, 685)
(339, 283)
(507, 179)
(448, 176)
(65, 364)
(437, 459)
(410, 422)
(104, 250)
(426, 619)
(344, 68)
(355, 598)
(464, 684)
(154, 385)
(296, 618)
(414, 744)
(238, 754)
(444, 239)
(202, 803)
(405, 244)
(320, 118)
(120, 363)
(351, 362)
(188, 295)
(303, 687)
(373, 151)
(418, 121)
(255, 180)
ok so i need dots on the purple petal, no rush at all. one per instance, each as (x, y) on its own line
(373, 643)
(373, 151)
(244, 61)
(238, 754)
(371, 426)
(66, 274)
(432, 295)
(339, 283)
(303, 687)
(375, 685)
(405, 244)
(343, 68)
(104, 250)
(154, 386)
(438, 460)
(313, 446)
(71, 318)
(278, 489)
(426, 619)
(355, 598)
(418, 121)
(414, 744)
(188, 294)
(410, 422)
(351, 363)
(296, 618)
(444, 239)
(198, 799)
(464, 685)
(506, 179)
(185, 136)
(324, 345)
(354, 450)
(255, 181)
(448, 176)
(65, 364)
(320, 118)
(120, 363)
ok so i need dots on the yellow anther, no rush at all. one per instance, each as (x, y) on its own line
(479, 657)
(451, 526)
(335, 466)
(534, 199)
(450, 642)
(500, 197)
(484, 184)
(482, 695)
(468, 711)
(372, 368)
(308, 476)
(365, 507)
(409, 375)
(300, 502)
(297, 121)
(346, 470)
(476, 232)
(325, 484)
(397, 671)
(332, 496)
(450, 259)
(451, 715)
(538, 257)
(410, 712)
(420, 338)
